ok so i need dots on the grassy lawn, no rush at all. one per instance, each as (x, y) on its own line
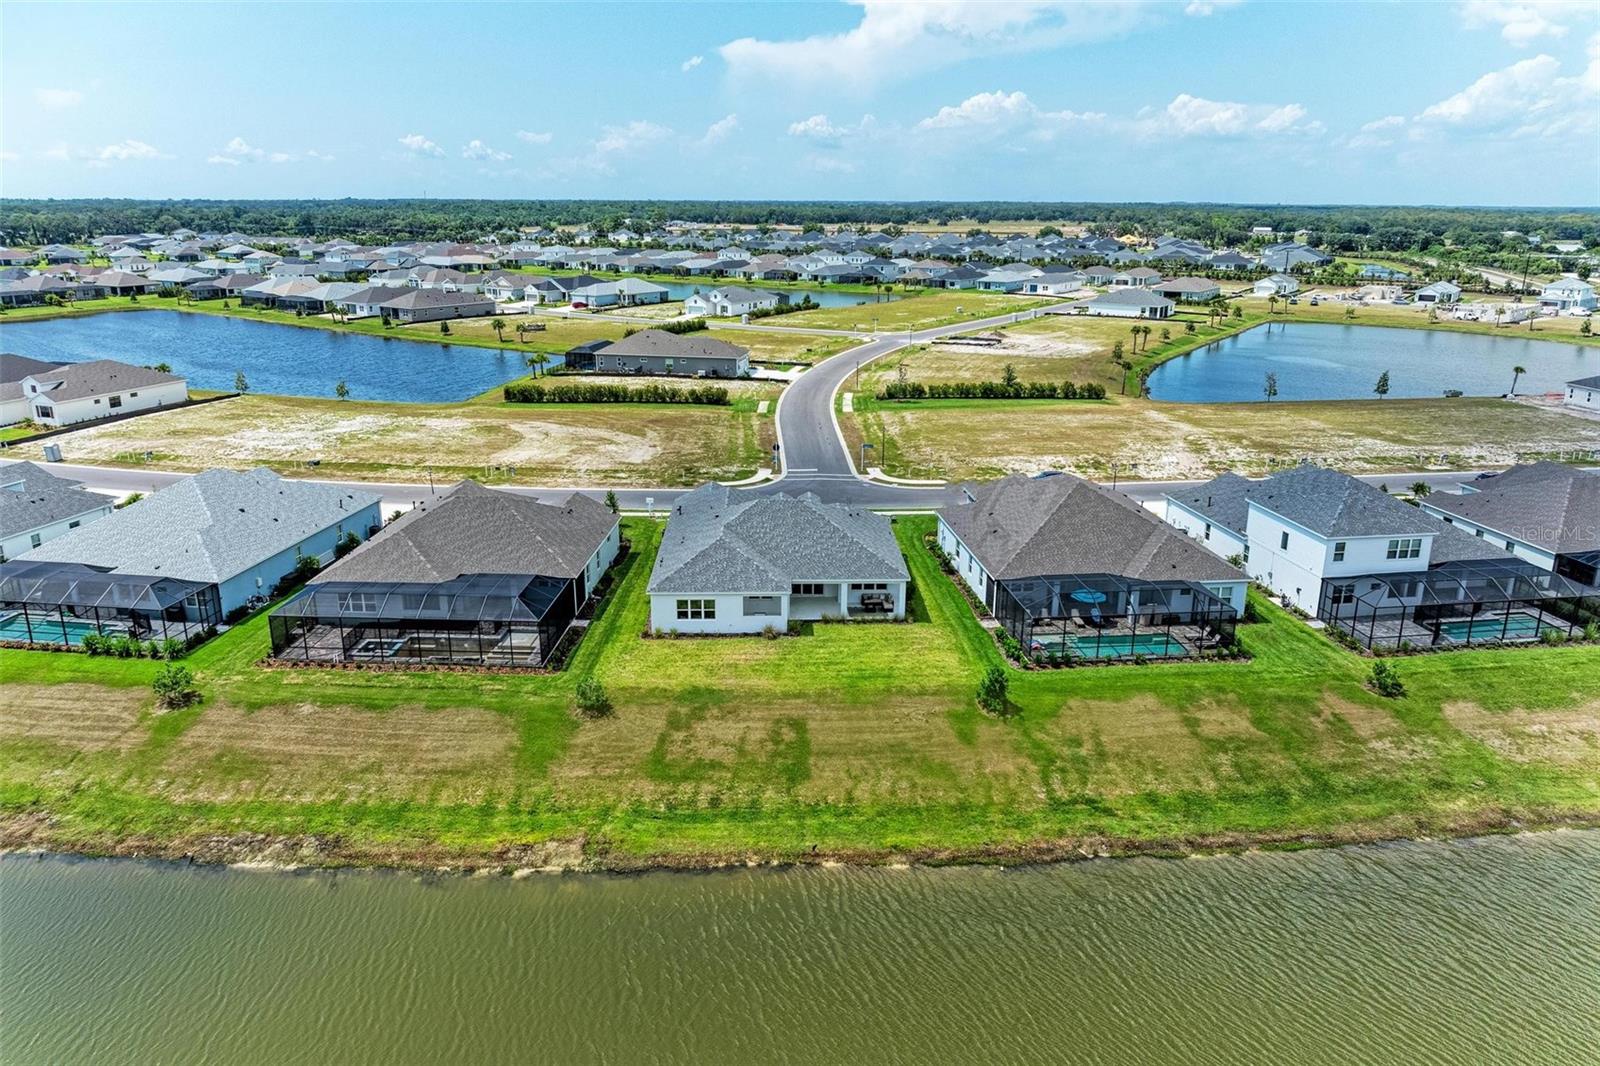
(749, 748)
(541, 444)
(1146, 439)
(922, 311)
(783, 349)
(80, 307)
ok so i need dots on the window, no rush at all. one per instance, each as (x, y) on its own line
(1339, 595)
(358, 602)
(74, 524)
(44, 411)
(869, 586)
(1449, 521)
(1338, 551)
(807, 588)
(1511, 545)
(1405, 548)
(1405, 590)
(697, 610)
(116, 401)
(1208, 531)
(1283, 541)
(761, 605)
(35, 540)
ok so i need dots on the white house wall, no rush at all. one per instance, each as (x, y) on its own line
(1223, 543)
(89, 408)
(15, 544)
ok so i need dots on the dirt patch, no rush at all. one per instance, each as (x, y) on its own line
(320, 750)
(85, 717)
(1566, 738)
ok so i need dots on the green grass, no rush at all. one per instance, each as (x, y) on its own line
(922, 310)
(860, 741)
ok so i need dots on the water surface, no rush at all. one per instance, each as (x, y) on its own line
(1475, 951)
(1318, 361)
(285, 360)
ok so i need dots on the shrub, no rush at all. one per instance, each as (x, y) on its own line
(305, 568)
(992, 390)
(599, 392)
(1385, 680)
(592, 699)
(1591, 631)
(171, 648)
(992, 690)
(174, 686)
(770, 632)
(1553, 636)
(346, 544)
(93, 644)
(688, 325)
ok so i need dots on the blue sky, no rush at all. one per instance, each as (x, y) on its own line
(1480, 102)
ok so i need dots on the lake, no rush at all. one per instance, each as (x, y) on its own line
(1317, 361)
(1481, 951)
(286, 360)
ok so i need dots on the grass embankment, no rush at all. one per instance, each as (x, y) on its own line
(1556, 328)
(852, 741)
(537, 444)
(80, 307)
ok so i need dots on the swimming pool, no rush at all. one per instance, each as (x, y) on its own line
(1519, 625)
(1121, 646)
(45, 630)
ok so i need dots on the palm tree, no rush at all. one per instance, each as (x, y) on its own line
(522, 331)
(499, 327)
(1516, 372)
(1134, 329)
(1272, 305)
(1419, 489)
(536, 360)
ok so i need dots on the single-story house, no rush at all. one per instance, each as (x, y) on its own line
(478, 576)
(228, 286)
(13, 400)
(182, 559)
(655, 351)
(1136, 277)
(1189, 290)
(1568, 293)
(1290, 254)
(1100, 274)
(1584, 393)
(1075, 569)
(367, 301)
(63, 253)
(627, 292)
(1276, 285)
(36, 506)
(732, 300)
(323, 297)
(1547, 513)
(70, 393)
(435, 305)
(1440, 292)
(736, 562)
(1123, 303)
(1055, 284)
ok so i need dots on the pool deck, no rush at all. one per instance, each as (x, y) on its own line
(1525, 626)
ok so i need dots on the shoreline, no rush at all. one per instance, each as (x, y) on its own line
(28, 834)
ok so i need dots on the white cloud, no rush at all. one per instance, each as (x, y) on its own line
(530, 137)
(1202, 8)
(222, 160)
(1528, 98)
(636, 134)
(1379, 133)
(476, 149)
(57, 98)
(239, 150)
(1000, 112)
(321, 157)
(8, 157)
(829, 164)
(817, 126)
(1195, 116)
(57, 153)
(692, 62)
(901, 38)
(1523, 21)
(417, 144)
(127, 149)
(720, 129)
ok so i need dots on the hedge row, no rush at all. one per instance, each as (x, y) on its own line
(596, 392)
(681, 325)
(992, 390)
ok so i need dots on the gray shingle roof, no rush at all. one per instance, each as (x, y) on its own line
(1129, 297)
(1031, 527)
(1224, 501)
(1334, 504)
(660, 342)
(98, 377)
(1587, 383)
(718, 540)
(477, 530)
(209, 527)
(13, 368)
(31, 497)
(1548, 505)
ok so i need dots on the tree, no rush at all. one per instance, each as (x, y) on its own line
(341, 390)
(1516, 372)
(1144, 382)
(1584, 329)
(611, 501)
(239, 383)
(174, 686)
(1236, 311)
(592, 699)
(499, 327)
(1382, 387)
(1134, 329)
(1272, 305)
(536, 360)
(1419, 489)
(1008, 375)
(1270, 388)
(1385, 680)
(1188, 327)
(993, 690)
(1349, 313)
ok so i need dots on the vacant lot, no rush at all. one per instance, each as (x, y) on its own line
(826, 744)
(545, 444)
(988, 438)
(920, 311)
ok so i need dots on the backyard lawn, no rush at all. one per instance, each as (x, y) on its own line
(538, 444)
(848, 741)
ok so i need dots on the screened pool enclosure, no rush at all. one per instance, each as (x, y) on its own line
(1106, 616)
(56, 603)
(1459, 603)
(475, 619)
